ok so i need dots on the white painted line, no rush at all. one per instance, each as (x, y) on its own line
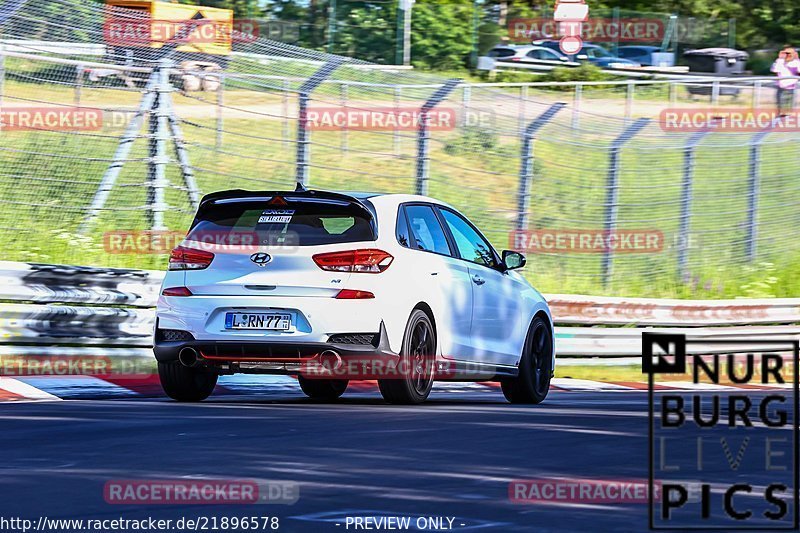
(585, 384)
(688, 385)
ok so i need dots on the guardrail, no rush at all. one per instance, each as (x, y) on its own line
(73, 310)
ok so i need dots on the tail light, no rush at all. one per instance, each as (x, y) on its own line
(349, 294)
(176, 291)
(371, 261)
(182, 258)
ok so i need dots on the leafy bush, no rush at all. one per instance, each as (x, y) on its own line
(585, 72)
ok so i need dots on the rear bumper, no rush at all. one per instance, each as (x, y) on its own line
(213, 352)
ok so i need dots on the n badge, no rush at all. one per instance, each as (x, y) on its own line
(663, 354)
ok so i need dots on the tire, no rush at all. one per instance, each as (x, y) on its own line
(535, 367)
(323, 389)
(186, 384)
(417, 358)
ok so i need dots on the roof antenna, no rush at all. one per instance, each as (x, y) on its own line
(300, 188)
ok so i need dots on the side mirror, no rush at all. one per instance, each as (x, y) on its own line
(513, 260)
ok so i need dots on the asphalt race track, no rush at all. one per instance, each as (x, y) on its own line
(453, 456)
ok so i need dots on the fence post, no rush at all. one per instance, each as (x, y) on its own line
(79, 70)
(220, 106)
(673, 93)
(2, 72)
(398, 94)
(629, 101)
(756, 94)
(304, 95)
(157, 149)
(466, 97)
(285, 104)
(714, 92)
(576, 106)
(523, 96)
(686, 200)
(754, 184)
(612, 193)
(526, 163)
(424, 135)
(343, 100)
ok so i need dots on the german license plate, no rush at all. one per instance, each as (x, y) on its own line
(265, 321)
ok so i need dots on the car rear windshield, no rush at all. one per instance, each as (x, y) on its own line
(298, 222)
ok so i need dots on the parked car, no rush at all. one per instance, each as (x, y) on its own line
(401, 279)
(716, 61)
(528, 54)
(647, 55)
(595, 54)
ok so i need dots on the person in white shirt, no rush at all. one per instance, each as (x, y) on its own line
(787, 67)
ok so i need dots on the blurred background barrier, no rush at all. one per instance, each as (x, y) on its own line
(79, 311)
(101, 135)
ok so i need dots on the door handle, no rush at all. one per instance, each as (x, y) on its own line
(478, 280)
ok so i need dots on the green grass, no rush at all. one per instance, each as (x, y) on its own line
(47, 179)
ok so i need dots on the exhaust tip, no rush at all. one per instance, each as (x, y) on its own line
(188, 357)
(330, 359)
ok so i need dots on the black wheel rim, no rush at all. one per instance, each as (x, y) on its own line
(540, 354)
(420, 357)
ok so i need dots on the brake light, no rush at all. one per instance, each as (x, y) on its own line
(182, 258)
(348, 294)
(176, 291)
(370, 261)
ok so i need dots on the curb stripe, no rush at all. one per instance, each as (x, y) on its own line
(23, 390)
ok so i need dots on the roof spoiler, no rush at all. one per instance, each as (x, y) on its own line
(301, 192)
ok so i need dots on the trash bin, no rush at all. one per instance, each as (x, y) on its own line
(720, 61)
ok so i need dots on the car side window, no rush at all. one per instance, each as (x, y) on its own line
(402, 229)
(427, 233)
(471, 245)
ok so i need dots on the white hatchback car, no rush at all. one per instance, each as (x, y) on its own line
(286, 282)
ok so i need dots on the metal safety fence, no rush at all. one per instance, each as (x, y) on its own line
(101, 144)
(61, 310)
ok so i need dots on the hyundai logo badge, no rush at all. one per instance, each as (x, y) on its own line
(261, 259)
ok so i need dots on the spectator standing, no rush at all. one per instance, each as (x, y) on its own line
(786, 66)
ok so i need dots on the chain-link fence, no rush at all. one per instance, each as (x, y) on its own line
(99, 139)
